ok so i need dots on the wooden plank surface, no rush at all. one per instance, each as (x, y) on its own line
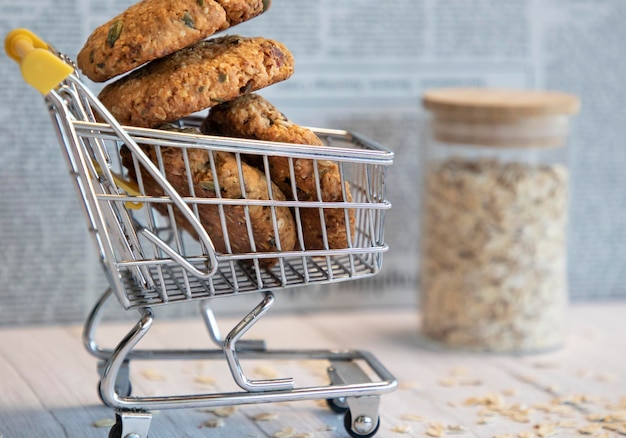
(48, 381)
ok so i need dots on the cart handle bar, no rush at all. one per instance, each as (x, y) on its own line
(40, 68)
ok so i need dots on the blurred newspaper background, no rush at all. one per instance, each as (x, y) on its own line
(361, 66)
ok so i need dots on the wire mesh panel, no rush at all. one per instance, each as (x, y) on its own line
(178, 215)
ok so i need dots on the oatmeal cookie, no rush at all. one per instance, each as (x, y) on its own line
(226, 181)
(152, 29)
(195, 78)
(253, 117)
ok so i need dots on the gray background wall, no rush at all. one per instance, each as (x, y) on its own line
(48, 269)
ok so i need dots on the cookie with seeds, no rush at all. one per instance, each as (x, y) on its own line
(217, 174)
(253, 117)
(195, 78)
(152, 29)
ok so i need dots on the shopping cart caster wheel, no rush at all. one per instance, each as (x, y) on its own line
(338, 405)
(135, 423)
(116, 430)
(363, 426)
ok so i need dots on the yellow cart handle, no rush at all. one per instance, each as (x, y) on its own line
(40, 68)
(43, 70)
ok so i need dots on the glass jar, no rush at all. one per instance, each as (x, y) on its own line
(493, 255)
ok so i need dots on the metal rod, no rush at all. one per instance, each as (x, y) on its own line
(230, 350)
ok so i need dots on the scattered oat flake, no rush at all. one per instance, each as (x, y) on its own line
(287, 432)
(564, 411)
(503, 436)
(103, 422)
(527, 378)
(617, 416)
(321, 403)
(487, 413)
(408, 385)
(520, 418)
(526, 435)
(153, 374)
(583, 399)
(552, 389)
(472, 401)
(413, 417)
(544, 407)
(596, 417)
(546, 430)
(485, 420)
(207, 380)
(265, 416)
(215, 423)
(447, 382)
(223, 412)
(266, 371)
(455, 428)
(606, 377)
(590, 429)
(546, 364)
(435, 431)
(566, 425)
(459, 371)
(491, 399)
(402, 428)
(510, 392)
(470, 382)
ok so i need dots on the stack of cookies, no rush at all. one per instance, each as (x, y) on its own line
(169, 68)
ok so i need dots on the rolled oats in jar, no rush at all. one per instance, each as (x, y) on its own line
(493, 263)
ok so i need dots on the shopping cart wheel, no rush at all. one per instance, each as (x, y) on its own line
(131, 425)
(362, 427)
(338, 405)
(116, 430)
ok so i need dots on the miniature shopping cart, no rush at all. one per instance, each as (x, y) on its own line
(150, 260)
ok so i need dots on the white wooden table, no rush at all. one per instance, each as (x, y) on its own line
(48, 381)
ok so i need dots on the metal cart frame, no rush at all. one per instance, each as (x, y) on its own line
(150, 263)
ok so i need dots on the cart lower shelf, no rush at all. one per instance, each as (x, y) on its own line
(356, 378)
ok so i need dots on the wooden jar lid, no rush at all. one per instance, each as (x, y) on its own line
(485, 104)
